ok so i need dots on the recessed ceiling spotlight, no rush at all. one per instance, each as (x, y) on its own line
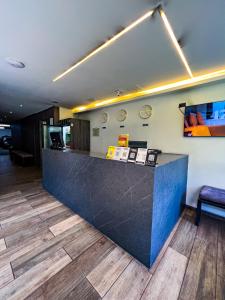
(21, 105)
(118, 92)
(15, 63)
(10, 112)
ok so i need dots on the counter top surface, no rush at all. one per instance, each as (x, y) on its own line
(163, 158)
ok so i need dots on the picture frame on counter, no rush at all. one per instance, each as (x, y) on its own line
(140, 156)
(118, 153)
(132, 155)
(125, 154)
(151, 158)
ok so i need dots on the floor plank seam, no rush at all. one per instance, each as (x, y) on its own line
(154, 270)
(85, 248)
(6, 243)
(52, 245)
(195, 237)
(68, 253)
(93, 287)
(6, 246)
(32, 212)
(14, 277)
(188, 258)
(167, 243)
(147, 284)
(217, 260)
(34, 195)
(118, 277)
(8, 234)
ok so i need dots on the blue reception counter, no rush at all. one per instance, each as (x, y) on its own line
(135, 206)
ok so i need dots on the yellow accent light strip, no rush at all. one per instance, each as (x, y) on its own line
(106, 44)
(205, 78)
(175, 42)
(106, 102)
(81, 108)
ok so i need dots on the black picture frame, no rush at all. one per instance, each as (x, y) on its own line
(151, 158)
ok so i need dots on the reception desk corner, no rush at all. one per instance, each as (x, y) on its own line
(135, 206)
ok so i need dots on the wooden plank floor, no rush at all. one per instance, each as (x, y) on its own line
(48, 252)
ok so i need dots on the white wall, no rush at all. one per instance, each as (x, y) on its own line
(165, 131)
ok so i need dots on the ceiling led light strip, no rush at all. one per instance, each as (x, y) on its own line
(205, 78)
(106, 44)
(82, 108)
(175, 42)
(5, 125)
(104, 102)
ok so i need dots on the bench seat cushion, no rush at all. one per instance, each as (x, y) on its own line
(22, 154)
(213, 195)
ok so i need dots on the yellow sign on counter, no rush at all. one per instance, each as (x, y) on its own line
(111, 152)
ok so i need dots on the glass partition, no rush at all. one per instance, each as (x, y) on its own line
(46, 130)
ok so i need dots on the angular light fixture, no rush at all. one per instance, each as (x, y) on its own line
(106, 44)
(174, 40)
(160, 89)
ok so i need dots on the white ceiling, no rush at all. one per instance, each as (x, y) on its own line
(50, 35)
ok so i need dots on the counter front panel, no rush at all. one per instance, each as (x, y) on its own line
(119, 198)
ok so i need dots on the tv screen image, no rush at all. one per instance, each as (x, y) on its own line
(205, 120)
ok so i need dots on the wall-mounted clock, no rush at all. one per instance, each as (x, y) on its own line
(104, 117)
(121, 115)
(145, 112)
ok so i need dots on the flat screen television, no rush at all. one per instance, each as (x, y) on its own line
(205, 120)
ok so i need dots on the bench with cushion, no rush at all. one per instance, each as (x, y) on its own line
(211, 196)
(23, 156)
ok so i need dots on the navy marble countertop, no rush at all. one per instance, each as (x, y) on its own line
(163, 158)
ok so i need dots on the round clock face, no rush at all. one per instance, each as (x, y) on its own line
(121, 115)
(104, 117)
(145, 112)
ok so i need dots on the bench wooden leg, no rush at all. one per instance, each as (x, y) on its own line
(198, 212)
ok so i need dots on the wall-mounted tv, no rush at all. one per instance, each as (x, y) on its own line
(205, 120)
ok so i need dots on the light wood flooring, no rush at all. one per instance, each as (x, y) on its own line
(49, 252)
